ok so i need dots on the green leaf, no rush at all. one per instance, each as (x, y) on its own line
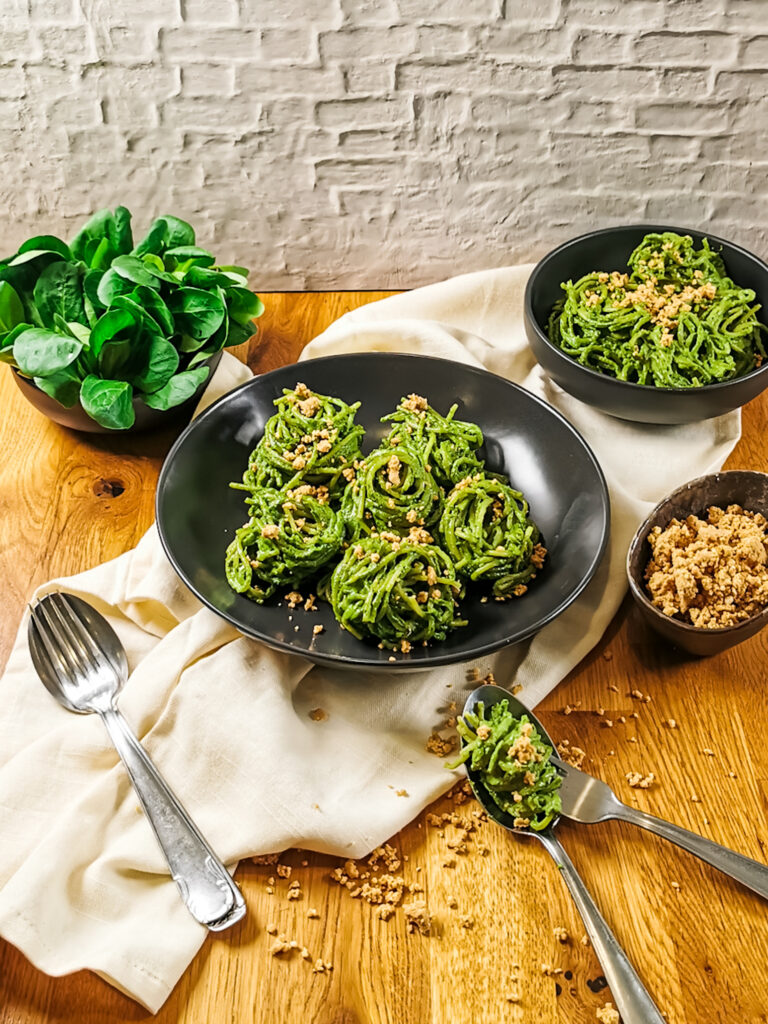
(110, 286)
(59, 289)
(153, 304)
(120, 234)
(154, 241)
(98, 226)
(34, 254)
(39, 353)
(11, 309)
(63, 386)
(197, 313)
(114, 359)
(243, 305)
(188, 252)
(100, 254)
(162, 361)
(46, 243)
(109, 402)
(202, 277)
(239, 334)
(7, 340)
(239, 271)
(79, 331)
(109, 326)
(178, 389)
(131, 268)
(141, 318)
(178, 232)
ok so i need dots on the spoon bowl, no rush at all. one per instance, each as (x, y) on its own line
(489, 695)
(632, 999)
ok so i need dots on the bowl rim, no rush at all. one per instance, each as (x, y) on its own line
(614, 381)
(436, 659)
(640, 537)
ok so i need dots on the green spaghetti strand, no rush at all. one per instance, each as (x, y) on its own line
(445, 444)
(397, 590)
(312, 439)
(675, 321)
(393, 490)
(513, 764)
(289, 538)
(486, 529)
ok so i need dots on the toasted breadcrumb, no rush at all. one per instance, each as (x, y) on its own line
(607, 1015)
(638, 781)
(439, 746)
(560, 934)
(270, 530)
(417, 918)
(293, 598)
(711, 573)
(572, 755)
(284, 870)
(312, 912)
(266, 858)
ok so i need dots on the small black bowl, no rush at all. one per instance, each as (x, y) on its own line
(609, 250)
(76, 418)
(737, 487)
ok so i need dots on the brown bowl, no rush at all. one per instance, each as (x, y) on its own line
(737, 487)
(76, 418)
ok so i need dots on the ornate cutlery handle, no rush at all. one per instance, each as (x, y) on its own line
(632, 999)
(204, 883)
(749, 872)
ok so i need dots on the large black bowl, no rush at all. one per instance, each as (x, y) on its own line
(609, 250)
(197, 512)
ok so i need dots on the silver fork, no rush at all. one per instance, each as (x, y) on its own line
(82, 663)
(588, 800)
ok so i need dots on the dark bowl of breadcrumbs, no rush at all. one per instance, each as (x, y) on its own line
(698, 565)
(609, 249)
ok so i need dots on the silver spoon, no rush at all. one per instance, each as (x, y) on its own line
(630, 995)
(588, 800)
(82, 663)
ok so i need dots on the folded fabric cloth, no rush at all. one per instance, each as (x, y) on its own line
(82, 881)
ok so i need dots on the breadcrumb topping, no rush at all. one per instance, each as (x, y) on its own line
(710, 572)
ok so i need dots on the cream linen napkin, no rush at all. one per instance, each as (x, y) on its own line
(82, 882)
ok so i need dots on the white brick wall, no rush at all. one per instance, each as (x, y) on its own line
(373, 143)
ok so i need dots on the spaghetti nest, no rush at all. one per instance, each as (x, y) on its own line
(399, 590)
(486, 529)
(512, 762)
(393, 490)
(675, 321)
(446, 445)
(290, 536)
(311, 439)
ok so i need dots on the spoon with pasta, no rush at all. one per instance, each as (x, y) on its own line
(507, 755)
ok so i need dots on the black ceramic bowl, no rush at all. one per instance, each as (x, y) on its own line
(737, 487)
(76, 418)
(609, 250)
(197, 512)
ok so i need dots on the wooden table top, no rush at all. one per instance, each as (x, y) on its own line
(699, 941)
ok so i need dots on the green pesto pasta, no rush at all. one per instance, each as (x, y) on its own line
(290, 536)
(393, 490)
(312, 439)
(486, 530)
(398, 590)
(369, 531)
(445, 444)
(511, 760)
(675, 321)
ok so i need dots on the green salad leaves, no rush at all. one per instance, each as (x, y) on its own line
(103, 321)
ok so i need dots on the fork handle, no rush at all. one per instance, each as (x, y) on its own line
(632, 999)
(206, 886)
(749, 872)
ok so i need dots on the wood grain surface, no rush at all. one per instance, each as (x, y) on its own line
(699, 941)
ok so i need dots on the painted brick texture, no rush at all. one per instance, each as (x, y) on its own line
(375, 143)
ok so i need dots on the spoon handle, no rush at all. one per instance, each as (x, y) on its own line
(205, 885)
(632, 999)
(749, 872)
